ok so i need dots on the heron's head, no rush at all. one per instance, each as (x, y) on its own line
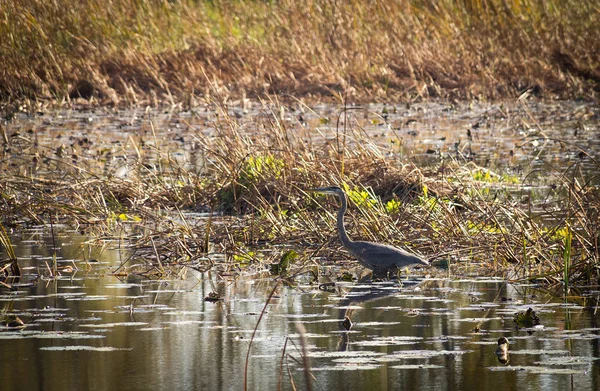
(336, 190)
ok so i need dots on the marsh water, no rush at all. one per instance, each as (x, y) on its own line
(90, 329)
(527, 140)
(93, 327)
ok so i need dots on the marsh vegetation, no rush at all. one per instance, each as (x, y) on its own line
(155, 163)
(506, 190)
(143, 52)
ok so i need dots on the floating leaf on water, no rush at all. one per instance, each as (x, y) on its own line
(489, 280)
(345, 332)
(166, 291)
(439, 300)
(56, 320)
(420, 354)
(357, 353)
(568, 360)
(88, 298)
(188, 322)
(370, 324)
(330, 320)
(15, 298)
(302, 316)
(65, 335)
(249, 331)
(476, 320)
(177, 313)
(355, 360)
(389, 341)
(441, 311)
(345, 285)
(134, 310)
(485, 305)
(256, 339)
(152, 328)
(538, 370)
(111, 325)
(494, 342)
(348, 307)
(581, 337)
(101, 311)
(416, 366)
(63, 295)
(310, 335)
(161, 307)
(86, 348)
(414, 297)
(446, 338)
(539, 352)
(348, 367)
(120, 286)
(509, 311)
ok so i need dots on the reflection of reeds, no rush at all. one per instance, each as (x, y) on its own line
(254, 333)
(567, 258)
(133, 51)
(9, 267)
(252, 184)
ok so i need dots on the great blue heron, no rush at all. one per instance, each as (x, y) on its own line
(380, 258)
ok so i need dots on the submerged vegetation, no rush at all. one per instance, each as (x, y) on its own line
(132, 51)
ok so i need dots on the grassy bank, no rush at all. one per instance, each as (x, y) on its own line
(134, 51)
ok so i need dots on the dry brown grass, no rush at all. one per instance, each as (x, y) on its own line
(258, 180)
(130, 51)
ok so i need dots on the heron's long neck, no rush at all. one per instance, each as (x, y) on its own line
(340, 221)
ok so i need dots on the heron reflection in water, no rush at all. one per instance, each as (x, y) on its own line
(380, 258)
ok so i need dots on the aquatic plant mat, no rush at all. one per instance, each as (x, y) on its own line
(143, 52)
(498, 188)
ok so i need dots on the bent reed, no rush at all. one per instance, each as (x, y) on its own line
(251, 190)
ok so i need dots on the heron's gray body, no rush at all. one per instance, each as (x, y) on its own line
(381, 258)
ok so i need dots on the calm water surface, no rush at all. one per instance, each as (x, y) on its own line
(91, 330)
(526, 139)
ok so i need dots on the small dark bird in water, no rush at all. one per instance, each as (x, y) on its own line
(502, 350)
(347, 323)
(14, 322)
(380, 258)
